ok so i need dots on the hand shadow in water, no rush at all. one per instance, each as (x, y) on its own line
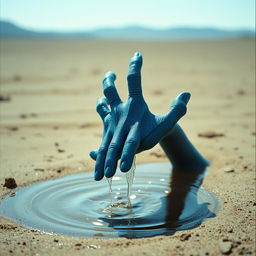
(181, 209)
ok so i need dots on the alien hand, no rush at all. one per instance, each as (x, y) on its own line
(129, 127)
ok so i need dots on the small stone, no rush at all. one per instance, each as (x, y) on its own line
(23, 116)
(39, 169)
(236, 243)
(55, 240)
(185, 237)
(5, 98)
(240, 92)
(78, 244)
(13, 128)
(225, 247)
(17, 78)
(228, 169)
(60, 150)
(10, 183)
(93, 246)
(210, 134)
(156, 154)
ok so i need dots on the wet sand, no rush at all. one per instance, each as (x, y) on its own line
(48, 124)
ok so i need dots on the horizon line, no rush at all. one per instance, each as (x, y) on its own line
(70, 30)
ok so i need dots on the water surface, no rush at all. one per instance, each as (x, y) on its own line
(162, 200)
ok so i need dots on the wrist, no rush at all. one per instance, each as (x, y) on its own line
(181, 152)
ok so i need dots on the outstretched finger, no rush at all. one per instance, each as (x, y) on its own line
(177, 110)
(109, 89)
(179, 106)
(102, 108)
(129, 150)
(113, 153)
(167, 122)
(134, 75)
(101, 156)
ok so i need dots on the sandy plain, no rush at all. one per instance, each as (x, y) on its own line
(53, 86)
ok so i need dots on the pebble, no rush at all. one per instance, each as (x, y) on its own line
(5, 98)
(39, 169)
(185, 237)
(225, 247)
(10, 183)
(93, 246)
(228, 169)
(210, 134)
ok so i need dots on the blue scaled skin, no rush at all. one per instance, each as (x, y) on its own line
(130, 127)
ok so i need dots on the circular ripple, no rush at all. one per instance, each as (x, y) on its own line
(163, 201)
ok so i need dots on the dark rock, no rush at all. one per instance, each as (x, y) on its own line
(23, 116)
(12, 128)
(39, 169)
(210, 134)
(185, 237)
(10, 183)
(241, 92)
(5, 98)
(17, 78)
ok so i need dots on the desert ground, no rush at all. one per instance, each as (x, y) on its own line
(48, 124)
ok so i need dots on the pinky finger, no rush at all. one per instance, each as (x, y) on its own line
(93, 154)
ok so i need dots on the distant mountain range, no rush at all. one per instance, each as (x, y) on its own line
(10, 30)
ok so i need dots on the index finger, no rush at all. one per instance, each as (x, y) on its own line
(134, 75)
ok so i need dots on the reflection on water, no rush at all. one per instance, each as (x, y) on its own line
(162, 202)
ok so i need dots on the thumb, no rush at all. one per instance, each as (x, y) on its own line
(179, 106)
(183, 97)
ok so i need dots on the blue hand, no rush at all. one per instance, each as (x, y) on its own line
(130, 127)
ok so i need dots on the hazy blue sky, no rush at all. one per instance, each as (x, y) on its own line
(89, 14)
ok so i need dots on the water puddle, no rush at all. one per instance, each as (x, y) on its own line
(161, 201)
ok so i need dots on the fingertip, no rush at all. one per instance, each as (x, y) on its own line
(110, 75)
(185, 97)
(108, 172)
(97, 176)
(93, 154)
(137, 54)
(137, 57)
(124, 166)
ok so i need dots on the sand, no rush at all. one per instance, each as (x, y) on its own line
(49, 124)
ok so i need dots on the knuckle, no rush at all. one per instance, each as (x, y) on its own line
(102, 150)
(131, 142)
(133, 75)
(113, 147)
